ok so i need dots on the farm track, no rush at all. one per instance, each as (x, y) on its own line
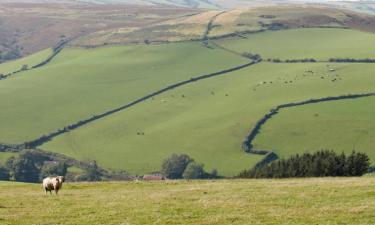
(270, 155)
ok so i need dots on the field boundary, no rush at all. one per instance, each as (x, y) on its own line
(56, 50)
(270, 155)
(45, 138)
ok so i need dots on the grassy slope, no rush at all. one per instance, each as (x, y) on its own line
(80, 83)
(318, 43)
(330, 201)
(4, 156)
(209, 127)
(341, 126)
(31, 60)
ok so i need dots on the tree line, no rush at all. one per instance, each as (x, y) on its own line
(319, 164)
(32, 166)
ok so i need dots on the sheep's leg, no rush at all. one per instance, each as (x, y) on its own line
(56, 191)
(45, 189)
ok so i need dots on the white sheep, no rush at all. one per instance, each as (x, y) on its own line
(53, 183)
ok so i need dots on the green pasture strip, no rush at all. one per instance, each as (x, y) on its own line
(343, 125)
(317, 43)
(30, 61)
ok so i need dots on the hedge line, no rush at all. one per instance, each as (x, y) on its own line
(56, 50)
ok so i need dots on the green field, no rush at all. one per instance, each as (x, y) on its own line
(290, 201)
(32, 60)
(80, 83)
(341, 126)
(4, 156)
(317, 43)
(208, 119)
(207, 124)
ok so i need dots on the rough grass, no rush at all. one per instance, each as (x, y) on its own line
(32, 60)
(318, 43)
(293, 201)
(213, 118)
(341, 126)
(80, 83)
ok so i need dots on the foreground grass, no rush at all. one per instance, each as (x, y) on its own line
(292, 201)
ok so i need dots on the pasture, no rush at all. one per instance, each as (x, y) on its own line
(291, 201)
(208, 119)
(345, 125)
(80, 83)
(30, 61)
(317, 43)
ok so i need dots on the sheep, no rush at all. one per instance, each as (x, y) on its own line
(53, 183)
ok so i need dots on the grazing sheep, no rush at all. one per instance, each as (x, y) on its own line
(53, 183)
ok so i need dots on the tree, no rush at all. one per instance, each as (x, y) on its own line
(194, 171)
(174, 166)
(26, 166)
(4, 173)
(53, 169)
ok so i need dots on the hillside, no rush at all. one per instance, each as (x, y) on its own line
(328, 123)
(344, 201)
(216, 114)
(231, 23)
(26, 28)
(199, 83)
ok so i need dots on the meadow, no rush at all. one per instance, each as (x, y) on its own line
(341, 125)
(290, 201)
(317, 43)
(30, 61)
(80, 83)
(212, 119)
(208, 119)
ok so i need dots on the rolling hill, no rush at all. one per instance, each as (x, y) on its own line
(130, 97)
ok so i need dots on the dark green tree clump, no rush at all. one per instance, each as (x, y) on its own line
(194, 171)
(174, 166)
(319, 164)
(183, 166)
(26, 166)
(4, 173)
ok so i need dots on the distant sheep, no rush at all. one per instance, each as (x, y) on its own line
(53, 183)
